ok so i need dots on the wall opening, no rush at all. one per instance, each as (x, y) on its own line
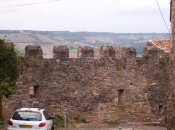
(33, 91)
(120, 96)
(161, 109)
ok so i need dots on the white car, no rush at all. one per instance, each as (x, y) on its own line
(30, 119)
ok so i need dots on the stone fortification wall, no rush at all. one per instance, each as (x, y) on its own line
(118, 86)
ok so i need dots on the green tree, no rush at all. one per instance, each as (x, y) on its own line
(8, 71)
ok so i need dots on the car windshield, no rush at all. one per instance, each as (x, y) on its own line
(27, 116)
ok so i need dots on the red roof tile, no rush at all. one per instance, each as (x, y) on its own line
(163, 44)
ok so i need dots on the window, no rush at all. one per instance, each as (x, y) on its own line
(161, 109)
(120, 96)
(27, 116)
(33, 91)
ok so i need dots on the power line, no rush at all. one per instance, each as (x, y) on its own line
(28, 4)
(163, 17)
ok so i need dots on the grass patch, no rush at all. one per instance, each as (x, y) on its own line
(58, 121)
(79, 119)
(2, 125)
(112, 123)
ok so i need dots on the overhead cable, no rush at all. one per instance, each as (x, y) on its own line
(29, 4)
(166, 25)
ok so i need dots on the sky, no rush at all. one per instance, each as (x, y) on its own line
(119, 16)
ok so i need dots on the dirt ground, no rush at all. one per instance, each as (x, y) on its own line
(151, 128)
(117, 128)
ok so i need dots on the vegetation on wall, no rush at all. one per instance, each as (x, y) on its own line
(8, 71)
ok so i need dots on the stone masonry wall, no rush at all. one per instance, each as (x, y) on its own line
(171, 102)
(124, 88)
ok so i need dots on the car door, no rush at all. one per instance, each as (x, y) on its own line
(48, 120)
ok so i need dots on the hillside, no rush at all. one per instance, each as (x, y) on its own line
(73, 39)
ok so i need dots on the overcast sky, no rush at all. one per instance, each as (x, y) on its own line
(133, 16)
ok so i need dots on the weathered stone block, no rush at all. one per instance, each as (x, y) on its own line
(107, 51)
(129, 52)
(85, 52)
(34, 51)
(61, 52)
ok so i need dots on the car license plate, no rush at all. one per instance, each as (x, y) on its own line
(25, 126)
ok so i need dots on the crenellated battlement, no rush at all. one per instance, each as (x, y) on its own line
(34, 51)
(63, 53)
(85, 52)
(107, 51)
(126, 57)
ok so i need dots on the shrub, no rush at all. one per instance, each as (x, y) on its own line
(111, 123)
(2, 125)
(59, 121)
(79, 119)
